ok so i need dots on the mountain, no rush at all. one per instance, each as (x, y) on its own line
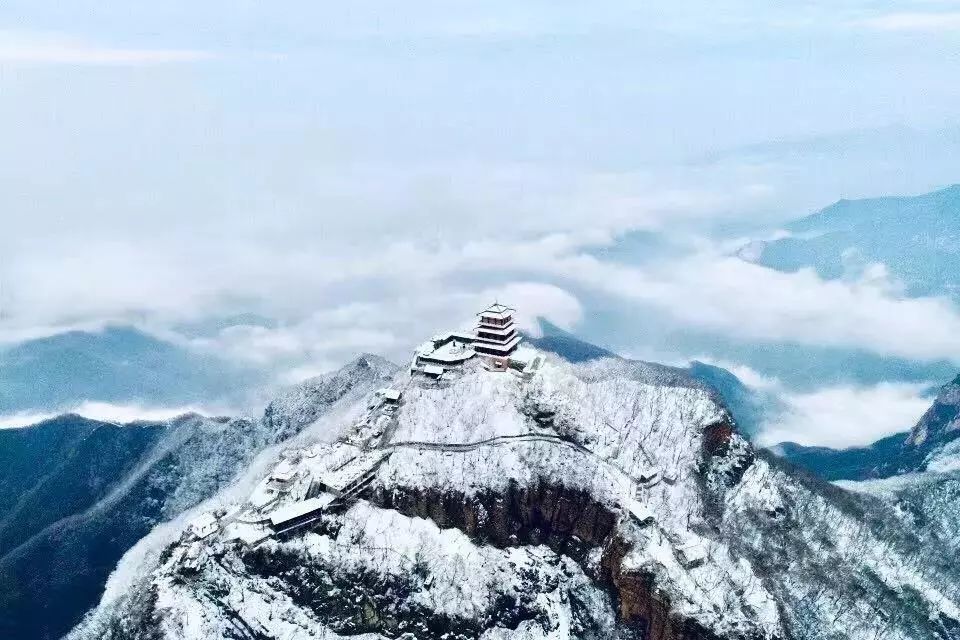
(596, 499)
(563, 343)
(79, 493)
(932, 445)
(853, 463)
(916, 473)
(117, 364)
(748, 406)
(916, 237)
(929, 502)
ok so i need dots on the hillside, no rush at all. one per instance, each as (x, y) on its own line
(81, 493)
(748, 406)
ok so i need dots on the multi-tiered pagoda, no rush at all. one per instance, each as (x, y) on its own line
(496, 334)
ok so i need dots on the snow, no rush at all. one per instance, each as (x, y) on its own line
(479, 405)
(205, 525)
(284, 472)
(639, 511)
(450, 352)
(341, 478)
(946, 459)
(246, 532)
(433, 370)
(843, 543)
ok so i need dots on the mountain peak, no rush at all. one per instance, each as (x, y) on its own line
(565, 500)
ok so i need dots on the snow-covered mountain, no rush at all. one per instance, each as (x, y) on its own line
(916, 473)
(748, 406)
(591, 500)
(79, 493)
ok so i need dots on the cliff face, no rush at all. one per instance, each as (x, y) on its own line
(596, 500)
(571, 523)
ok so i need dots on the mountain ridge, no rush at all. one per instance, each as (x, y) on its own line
(116, 364)
(916, 238)
(58, 545)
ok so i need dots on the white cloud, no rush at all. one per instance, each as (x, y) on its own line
(45, 48)
(946, 21)
(108, 412)
(845, 416)
(385, 295)
(389, 326)
(535, 300)
(736, 298)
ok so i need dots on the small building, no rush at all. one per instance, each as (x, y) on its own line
(282, 476)
(640, 512)
(446, 350)
(299, 514)
(389, 396)
(349, 479)
(496, 334)
(248, 533)
(647, 477)
(691, 554)
(204, 526)
(432, 371)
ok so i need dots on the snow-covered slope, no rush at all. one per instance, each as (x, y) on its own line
(928, 502)
(70, 512)
(590, 500)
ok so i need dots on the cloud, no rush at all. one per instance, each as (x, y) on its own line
(735, 298)
(385, 294)
(946, 21)
(846, 416)
(108, 412)
(390, 325)
(43, 48)
(535, 300)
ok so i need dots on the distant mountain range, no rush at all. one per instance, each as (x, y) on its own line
(916, 237)
(78, 493)
(117, 364)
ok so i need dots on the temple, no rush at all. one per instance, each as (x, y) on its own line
(496, 334)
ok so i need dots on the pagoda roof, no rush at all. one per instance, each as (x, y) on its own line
(497, 310)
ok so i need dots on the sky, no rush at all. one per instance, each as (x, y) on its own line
(288, 184)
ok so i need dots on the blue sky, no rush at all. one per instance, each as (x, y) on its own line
(351, 172)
